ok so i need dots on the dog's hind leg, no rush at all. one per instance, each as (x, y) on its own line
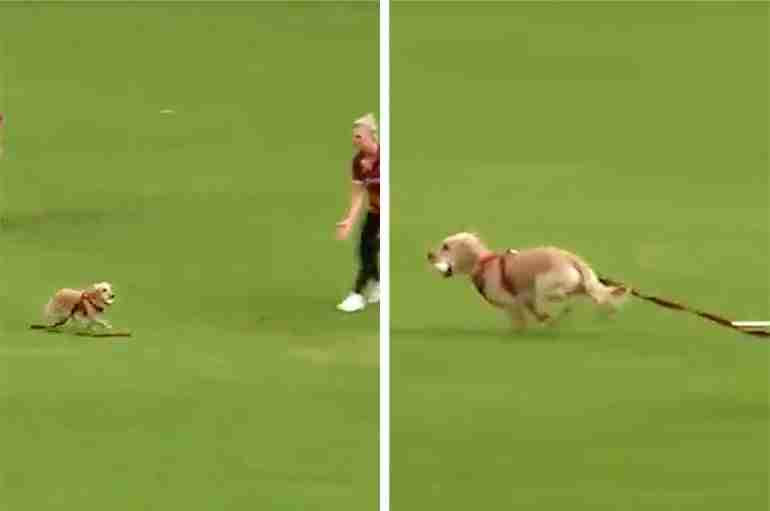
(55, 320)
(59, 323)
(551, 287)
(555, 287)
(536, 305)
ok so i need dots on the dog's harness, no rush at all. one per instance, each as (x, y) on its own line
(477, 276)
(81, 305)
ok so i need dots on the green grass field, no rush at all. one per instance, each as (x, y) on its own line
(242, 387)
(635, 134)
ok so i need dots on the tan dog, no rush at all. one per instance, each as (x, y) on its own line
(86, 306)
(523, 281)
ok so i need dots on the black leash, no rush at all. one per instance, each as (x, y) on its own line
(670, 304)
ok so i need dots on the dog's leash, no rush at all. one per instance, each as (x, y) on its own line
(670, 304)
(109, 333)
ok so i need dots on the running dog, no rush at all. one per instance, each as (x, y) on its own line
(525, 281)
(86, 306)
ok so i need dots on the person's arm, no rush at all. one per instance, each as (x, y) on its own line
(357, 195)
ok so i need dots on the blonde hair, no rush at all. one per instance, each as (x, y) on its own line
(369, 122)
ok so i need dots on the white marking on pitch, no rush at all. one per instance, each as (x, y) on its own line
(752, 324)
(167, 111)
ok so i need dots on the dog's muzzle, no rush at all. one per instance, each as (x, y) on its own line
(443, 267)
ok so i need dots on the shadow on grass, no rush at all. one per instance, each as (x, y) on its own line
(80, 332)
(60, 218)
(501, 335)
(297, 316)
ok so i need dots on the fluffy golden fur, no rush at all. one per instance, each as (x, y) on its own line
(523, 282)
(85, 305)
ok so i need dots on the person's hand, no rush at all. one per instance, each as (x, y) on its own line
(343, 228)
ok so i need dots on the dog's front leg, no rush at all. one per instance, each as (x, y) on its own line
(537, 303)
(537, 310)
(518, 318)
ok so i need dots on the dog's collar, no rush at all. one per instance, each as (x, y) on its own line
(485, 258)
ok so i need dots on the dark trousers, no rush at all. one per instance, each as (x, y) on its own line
(368, 252)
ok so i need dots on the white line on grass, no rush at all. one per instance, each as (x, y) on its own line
(384, 256)
(752, 324)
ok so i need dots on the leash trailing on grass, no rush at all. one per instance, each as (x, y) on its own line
(670, 304)
(115, 333)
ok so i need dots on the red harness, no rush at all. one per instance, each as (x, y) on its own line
(477, 275)
(81, 305)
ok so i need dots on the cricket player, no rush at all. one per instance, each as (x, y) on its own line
(365, 185)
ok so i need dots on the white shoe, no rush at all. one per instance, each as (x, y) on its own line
(373, 293)
(353, 303)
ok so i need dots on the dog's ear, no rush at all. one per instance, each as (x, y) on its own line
(475, 233)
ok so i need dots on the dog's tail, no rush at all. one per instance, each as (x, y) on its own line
(612, 296)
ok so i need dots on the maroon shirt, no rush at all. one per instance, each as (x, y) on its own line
(370, 178)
